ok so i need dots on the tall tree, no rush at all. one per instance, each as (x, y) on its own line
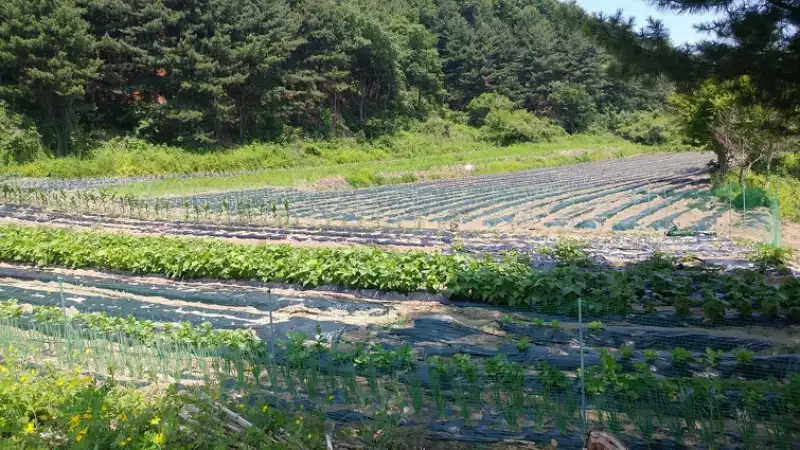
(754, 38)
(47, 60)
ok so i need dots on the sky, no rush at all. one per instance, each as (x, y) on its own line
(679, 26)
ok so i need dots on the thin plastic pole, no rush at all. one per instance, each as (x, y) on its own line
(61, 293)
(583, 367)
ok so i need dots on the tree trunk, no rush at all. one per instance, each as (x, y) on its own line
(65, 129)
(741, 174)
(361, 101)
(242, 119)
(335, 118)
(769, 169)
(722, 159)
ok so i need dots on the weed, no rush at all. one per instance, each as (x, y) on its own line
(680, 357)
(595, 326)
(744, 358)
(711, 357)
(523, 344)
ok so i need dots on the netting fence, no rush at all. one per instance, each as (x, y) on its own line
(655, 380)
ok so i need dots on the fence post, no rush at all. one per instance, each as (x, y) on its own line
(584, 425)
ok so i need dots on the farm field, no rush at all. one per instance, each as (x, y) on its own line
(667, 190)
(516, 308)
(453, 371)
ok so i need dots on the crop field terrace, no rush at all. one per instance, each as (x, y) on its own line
(459, 311)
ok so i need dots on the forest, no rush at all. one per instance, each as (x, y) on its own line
(220, 72)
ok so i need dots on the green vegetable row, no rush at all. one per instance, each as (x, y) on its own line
(508, 281)
(143, 331)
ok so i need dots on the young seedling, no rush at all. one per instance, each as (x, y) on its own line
(711, 357)
(744, 358)
(523, 344)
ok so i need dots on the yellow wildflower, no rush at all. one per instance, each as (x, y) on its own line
(23, 379)
(87, 416)
(3, 369)
(81, 434)
(59, 382)
(29, 428)
(155, 420)
(74, 421)
(265, 408)
(240, 406)
(129, 439)
(309, 435)
(159, 438)
(122, 417)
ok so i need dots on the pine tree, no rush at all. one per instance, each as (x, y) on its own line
(47, 60)
(757, 39)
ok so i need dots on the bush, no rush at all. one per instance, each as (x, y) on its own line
(749, 197)
(771, 255)
(480, 107)
(650, 128)
(19, 142)
(574, 106)
(511, 127)
(364, 178)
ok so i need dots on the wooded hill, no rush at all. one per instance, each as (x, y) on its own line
(216, 72)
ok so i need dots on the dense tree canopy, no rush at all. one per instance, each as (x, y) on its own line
(757, 39)
(201, 72)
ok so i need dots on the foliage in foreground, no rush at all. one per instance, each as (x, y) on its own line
(508, 281)
(42, 406)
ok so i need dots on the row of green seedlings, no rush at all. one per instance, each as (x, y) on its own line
(143, 331)
(246, 211)
(303, 374)
(508, 280)
(285, 428)
(681, 357)
(296, 371)
(240, 211)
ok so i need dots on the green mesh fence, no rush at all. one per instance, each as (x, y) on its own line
(654, 379)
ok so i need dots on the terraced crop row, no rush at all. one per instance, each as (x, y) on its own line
(652, 192)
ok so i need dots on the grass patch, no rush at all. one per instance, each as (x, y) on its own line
(391, 169)
(783, 189)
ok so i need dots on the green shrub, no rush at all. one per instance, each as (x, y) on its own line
(19, 142)
(650, 128)
(509, 127)
(481, 106)
(771, 255)
(750, 197)
(364, 178)
(574, 107)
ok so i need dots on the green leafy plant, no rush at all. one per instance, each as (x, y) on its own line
(711, 357)
(595, 326)
(523, 344)
(744, 357)
(680, 357)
